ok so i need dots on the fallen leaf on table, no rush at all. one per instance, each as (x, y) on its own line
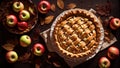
(49, 19)
(31, 10)
(8, 46)
(53, 8)
(107, 39)
(25, 57)
(36, 34)
(56, 64)
(71, 6)
(13, 41)
(42, 22)
(37, 63)
(60, 4)
(37, 66)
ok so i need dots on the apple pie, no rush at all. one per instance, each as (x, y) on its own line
(77, 33)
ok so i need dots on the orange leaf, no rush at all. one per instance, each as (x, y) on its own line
(53, 8)
(8, 47)
(60, 4)
(71, 6)
(49, 19)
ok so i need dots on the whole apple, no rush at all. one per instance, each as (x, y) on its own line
(104, 62)
(113, 52)
(11, 56)
(38, 49)
(44, 6)
(22, 26)
(18, 6)
(24, 15)
(25, 40)
(114, 23)
(11, 20)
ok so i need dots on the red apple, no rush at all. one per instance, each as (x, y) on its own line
(22, 25)
(44, 6)
(11, 20)
(104, 62)
(113, 52)
(11, 56)
(38, 49)
(114, 23)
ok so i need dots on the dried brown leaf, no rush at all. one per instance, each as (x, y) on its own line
(71, 6)
(107, 39)
(25, 57)
(53, 7)
(8, 47)
(31, 10)
(106, 32)
(42, 22)
(49, 19)
(37, 63)
(37, 66)
(14, 41)
(60, 4)
(56, 64)
(49, 56)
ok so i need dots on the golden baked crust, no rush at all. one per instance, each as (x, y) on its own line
(77, 33)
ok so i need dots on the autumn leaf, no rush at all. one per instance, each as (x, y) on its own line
(42, 22)
(25, 57)
(37, 66)
(71, 6)
(49, 19)
(53, 8)
(60, 4)
(56, 64)
(8, 46)
(13, 41)
(37, 63)
(31, 10)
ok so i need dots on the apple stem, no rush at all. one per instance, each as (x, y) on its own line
(117, 22)
(38, 48)
(104, 63)
(18, 3)
(23, 14)
(11, 20)
(12, 56)
(43, 6)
